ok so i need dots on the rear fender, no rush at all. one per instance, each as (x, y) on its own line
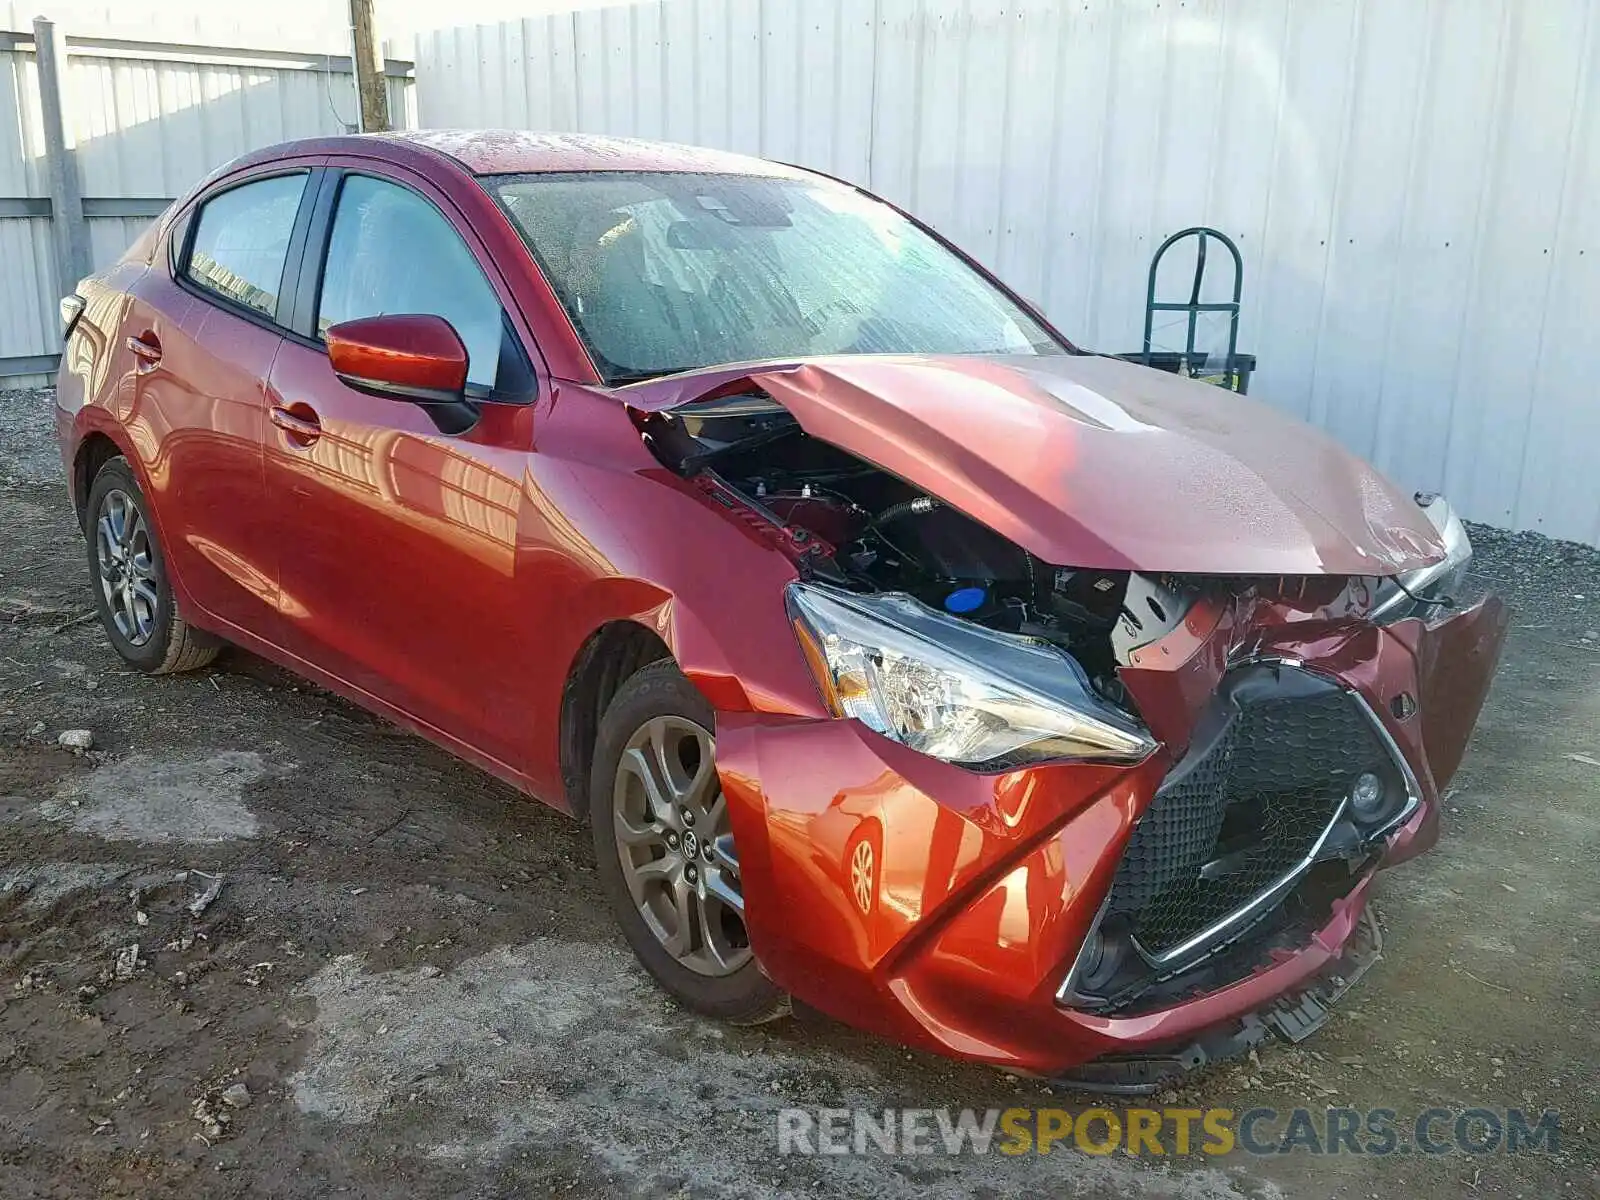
(92, 420)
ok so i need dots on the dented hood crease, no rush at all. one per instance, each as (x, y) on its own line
(1094, 462)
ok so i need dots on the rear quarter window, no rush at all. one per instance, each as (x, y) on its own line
(241, 241)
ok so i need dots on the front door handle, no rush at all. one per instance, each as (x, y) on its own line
(300, 423)
(146, 347)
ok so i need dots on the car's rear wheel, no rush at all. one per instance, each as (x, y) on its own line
(131, 591)
(665, 851)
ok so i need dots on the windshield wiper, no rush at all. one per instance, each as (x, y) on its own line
(699, 459)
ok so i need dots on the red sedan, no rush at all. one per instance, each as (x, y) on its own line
(1017, 703)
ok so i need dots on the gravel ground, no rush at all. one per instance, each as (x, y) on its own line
(407, 970)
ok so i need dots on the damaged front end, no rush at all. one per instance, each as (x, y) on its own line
(1295, 730)
(1305, 729)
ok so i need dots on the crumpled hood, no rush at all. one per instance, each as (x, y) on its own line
(1094, 462)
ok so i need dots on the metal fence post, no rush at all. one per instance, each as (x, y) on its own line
(70, 230)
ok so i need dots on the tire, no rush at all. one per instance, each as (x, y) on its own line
(657, 866)
(142, 621)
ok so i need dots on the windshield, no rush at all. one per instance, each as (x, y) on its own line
(664, 272)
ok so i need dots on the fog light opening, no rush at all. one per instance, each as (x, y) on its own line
(1093, 955)
(1368, 796)
(1098, 962)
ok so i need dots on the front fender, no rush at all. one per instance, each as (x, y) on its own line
(609, 535)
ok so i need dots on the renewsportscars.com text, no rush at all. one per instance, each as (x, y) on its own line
(1154, 1132)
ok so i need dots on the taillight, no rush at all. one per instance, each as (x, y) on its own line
(71, 309)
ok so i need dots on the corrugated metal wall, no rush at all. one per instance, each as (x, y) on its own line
(25, 247)
(147, 122)
(1413, 183)
(306, 26)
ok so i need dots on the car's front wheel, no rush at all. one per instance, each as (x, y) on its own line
(665, 851)
(131, 591)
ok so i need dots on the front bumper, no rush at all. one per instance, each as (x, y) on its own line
(944, 908)
(1292, 1016)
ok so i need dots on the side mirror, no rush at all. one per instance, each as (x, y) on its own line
(413, 357)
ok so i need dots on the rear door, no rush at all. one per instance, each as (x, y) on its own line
(203, 329)
(397, 542)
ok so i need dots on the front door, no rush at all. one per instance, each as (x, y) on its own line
(396, 542)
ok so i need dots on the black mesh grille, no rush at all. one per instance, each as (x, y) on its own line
(1262, 781)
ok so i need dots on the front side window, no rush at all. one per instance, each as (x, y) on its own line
(241, 240)
(666, 271)
(392, 252)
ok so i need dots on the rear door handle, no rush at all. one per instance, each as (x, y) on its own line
(146, 347)
(302, 427)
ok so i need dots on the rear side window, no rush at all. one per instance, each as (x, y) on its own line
(241, 240)
(393, 252)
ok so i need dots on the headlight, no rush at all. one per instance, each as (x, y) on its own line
(1438, 582)
(952, 689)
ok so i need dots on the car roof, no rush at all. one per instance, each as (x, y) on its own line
(518, 151)
(507, 151)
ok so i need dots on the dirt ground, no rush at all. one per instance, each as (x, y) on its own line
(408, 969)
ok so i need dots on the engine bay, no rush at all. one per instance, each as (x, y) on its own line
(857, 526)
(872, 532)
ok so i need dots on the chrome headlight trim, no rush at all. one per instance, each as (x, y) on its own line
(953, 689)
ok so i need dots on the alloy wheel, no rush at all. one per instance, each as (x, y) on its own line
(677, 852)
(126, 560)
(861, 869)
